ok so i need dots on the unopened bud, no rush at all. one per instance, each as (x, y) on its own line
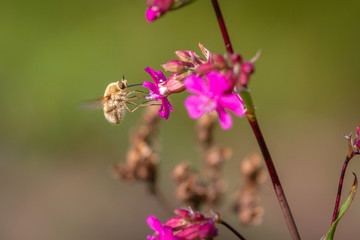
(176, 222)
(247, 67)
(186, 56)
(243, 79)
(190, 232)
(204, 68)
(185, 214)
(176, 66)
(236, 58)
(358, 131)
(152, 13)
(163, 5)
(173, 85)
(197, 216)
(219, 61)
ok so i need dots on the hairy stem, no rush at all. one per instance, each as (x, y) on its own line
(232, 229)
(341, 181)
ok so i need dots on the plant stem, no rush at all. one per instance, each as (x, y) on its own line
(231, 229)
(256, 129)
(341, 181)
(275, 179)
(224, 32)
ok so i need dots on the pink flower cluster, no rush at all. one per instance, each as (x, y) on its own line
(211, 80)
(187, 225)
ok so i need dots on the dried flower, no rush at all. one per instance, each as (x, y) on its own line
(247, 200)
(211, 93)
(141, 158)
(158, 91)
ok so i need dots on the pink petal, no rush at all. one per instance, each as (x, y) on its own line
(153, 74)
(165, 108)
(167, 234)
(234, 103)
(217, 83)
(152, 13)
(195, 84)
(224, 118)
(153, 88)
(154, 223)
(151, 237)
(207, 230)
(190, 232)
(192, 104)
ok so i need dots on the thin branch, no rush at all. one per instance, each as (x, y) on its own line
(232, 229)
(341, 181)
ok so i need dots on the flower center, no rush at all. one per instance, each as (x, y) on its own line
(207, 104)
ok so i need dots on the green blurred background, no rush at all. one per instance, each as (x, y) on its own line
(55, 181)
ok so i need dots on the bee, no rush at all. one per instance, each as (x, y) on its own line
(115, 100)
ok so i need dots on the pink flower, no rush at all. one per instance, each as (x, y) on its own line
(187, 225)
(161, 232)
(213, 92)
(158, 91)
(157, 8)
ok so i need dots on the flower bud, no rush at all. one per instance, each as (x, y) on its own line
(183, 213)
(176, 223)
(176, 66)
(219, 61)
(208, 230)
(174, 85)
(157, 8)
(186, 56)
(204, 68)
(163, 5)
(358, 131)
(190, 232)
(243, 79)
(152, 13)
(197, 216)
(236, 58)
(247, 67)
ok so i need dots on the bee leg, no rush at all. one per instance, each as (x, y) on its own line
(130, 111)
(137, 91)
(136, 97)
(145, 104)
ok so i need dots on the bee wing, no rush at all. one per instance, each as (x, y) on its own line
(94, 104)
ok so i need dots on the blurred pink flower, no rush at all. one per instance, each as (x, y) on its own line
(187, 225)
(158, 91)
(213, 92)
(157, 8)
(161, 232)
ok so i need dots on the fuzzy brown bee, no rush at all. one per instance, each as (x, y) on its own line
(115, 100)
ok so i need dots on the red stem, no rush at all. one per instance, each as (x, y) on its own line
(256, 129)
(224, 32)
(232, 229)
(275, 179)
(341, 181)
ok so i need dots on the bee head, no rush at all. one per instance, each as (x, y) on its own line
(122, 84)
